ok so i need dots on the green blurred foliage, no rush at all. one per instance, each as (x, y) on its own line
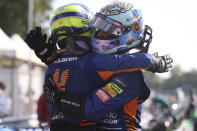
(14, 15)
(178, 78)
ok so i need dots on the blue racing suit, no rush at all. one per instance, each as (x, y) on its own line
(127, 92)
(83, 75)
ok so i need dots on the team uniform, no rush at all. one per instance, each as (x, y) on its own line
(127, 92)
(82, 75)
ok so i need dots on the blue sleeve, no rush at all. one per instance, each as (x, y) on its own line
(118, 91)
(46, 74)
(126, 61)
(108, 65)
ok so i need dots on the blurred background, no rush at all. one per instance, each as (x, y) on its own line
(172, 105)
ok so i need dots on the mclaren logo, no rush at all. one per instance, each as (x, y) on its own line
(66, 59)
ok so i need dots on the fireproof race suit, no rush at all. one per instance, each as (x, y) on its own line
(127, 92)
(122, 97)
(82, 75)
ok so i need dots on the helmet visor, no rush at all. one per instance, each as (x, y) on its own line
(106, 24)
(109, 25)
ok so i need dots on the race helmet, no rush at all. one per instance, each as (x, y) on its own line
(122, 26)
(70, 28)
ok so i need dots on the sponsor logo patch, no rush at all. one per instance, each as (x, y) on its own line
(115, 87)
(109, 90)
(102, 95)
